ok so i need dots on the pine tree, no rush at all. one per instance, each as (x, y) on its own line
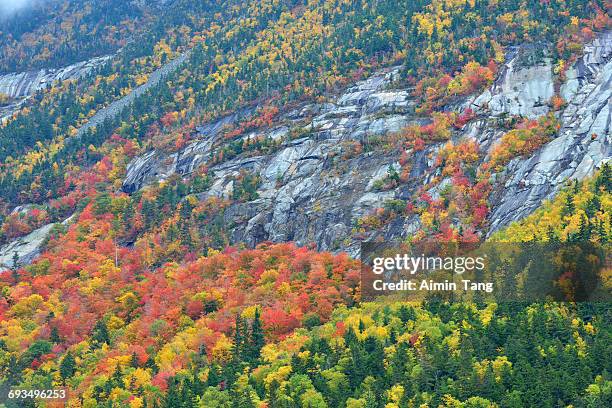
(172, 397)
(116, 378)
(214, 377)
(134, 361)
(584, 231)
(100, 333)
(15, 261)
(552, 235)
(371, 400)
(243, 399)
(15, 267)
(67, 367)
(239, 338)
(406, 313)
(257, 337)
(54, 336)
(569, 207)
(151, 364)
(604, 179)
(601, 231)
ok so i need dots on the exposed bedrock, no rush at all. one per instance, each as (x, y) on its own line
(583, 144)
(19, 86)
(313, 189)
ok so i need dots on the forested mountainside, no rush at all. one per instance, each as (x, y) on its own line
(180, 221)
(44, 34)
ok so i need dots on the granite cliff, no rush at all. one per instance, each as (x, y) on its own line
(314, 186)
(19, 86)
(313, 190)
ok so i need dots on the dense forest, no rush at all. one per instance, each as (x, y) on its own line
(224, 329)
(52, 34)
(401, 355)
(142, 298)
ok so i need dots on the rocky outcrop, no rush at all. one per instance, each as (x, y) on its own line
(363, 111)
(26, 248)
(522, 89)
(30, 246)
(22, 84)
(156, 166)
(18, 86)
(584, 142)
(314, 187)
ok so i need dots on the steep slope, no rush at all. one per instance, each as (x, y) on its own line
(323, 122)
(332, 172)
(329, 167)
(310, 167)
(50, 34)
(26, 83)
(18, 86)
(580, 212)
(583, 144)
(23, 250)
(332, 167)
(110, 112)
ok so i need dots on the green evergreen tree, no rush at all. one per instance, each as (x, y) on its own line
(257, 339)
(569, 208)
(100, 332)
(67, 367)
(54, 336)
(15, 267)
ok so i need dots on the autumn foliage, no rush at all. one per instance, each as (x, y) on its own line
(83, 294)
(528, 136)
(435, 92)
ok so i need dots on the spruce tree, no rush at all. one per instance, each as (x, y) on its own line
(257, 337)
(239, 338)
(568, 208)
(100, 333)
(584, 231)
(54, 336)
(15, 267)
(604, 179)
(67, 367)
(134, 360)
(172, 397)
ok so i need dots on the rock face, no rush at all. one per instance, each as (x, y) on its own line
(26, 83)
(315, 188)
(583, 144)
(19, 86)
(523, 88)
(27, 248)
(157, 166)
